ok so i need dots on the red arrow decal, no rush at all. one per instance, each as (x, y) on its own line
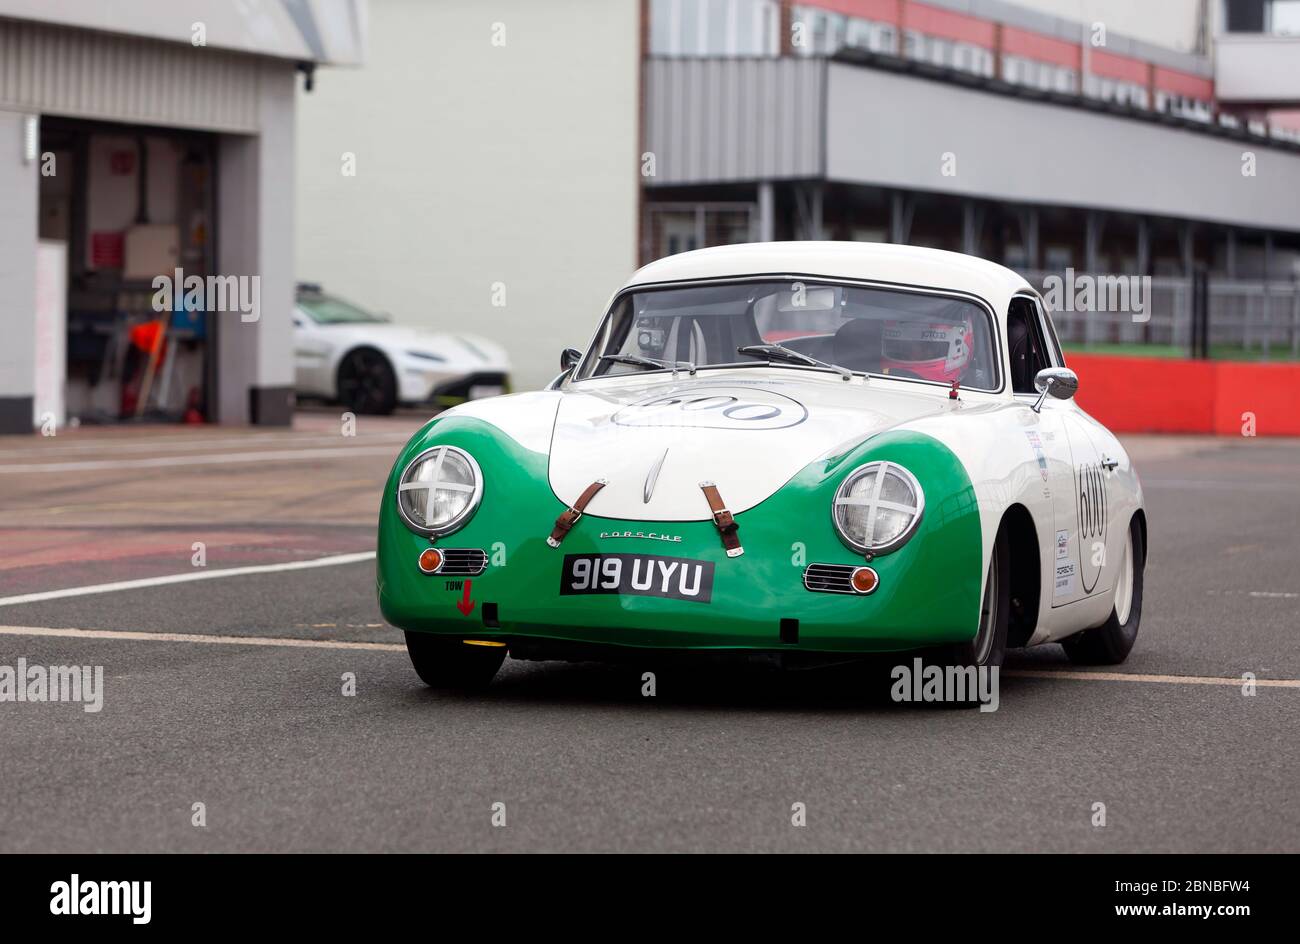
(465, 604)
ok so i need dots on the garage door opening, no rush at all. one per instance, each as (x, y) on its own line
(120, 207)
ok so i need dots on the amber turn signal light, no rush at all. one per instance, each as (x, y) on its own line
(430, 560)
(864, 580)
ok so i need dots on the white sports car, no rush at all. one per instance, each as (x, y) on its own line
(818, 450)
(358, 358)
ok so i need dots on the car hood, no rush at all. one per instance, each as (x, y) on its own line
(655, 441)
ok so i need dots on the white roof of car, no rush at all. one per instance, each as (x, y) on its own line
(874, 262)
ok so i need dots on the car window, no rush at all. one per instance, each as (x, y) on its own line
(1053, 342)
(888, 332)
(1025, 344)
(329, 309)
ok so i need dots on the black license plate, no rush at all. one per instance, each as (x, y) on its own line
(642, 575)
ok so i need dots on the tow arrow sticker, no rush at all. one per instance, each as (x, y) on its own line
(465, 604)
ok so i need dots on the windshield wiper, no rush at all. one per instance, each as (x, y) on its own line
(636, 360)
(783, 353)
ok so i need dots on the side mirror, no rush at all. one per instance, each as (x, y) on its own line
(569, 358)
(1059, 382)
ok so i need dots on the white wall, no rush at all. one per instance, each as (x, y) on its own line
(1258, 69)
(255, 233)
(478, 164)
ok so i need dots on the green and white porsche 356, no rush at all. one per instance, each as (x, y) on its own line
(811, 449)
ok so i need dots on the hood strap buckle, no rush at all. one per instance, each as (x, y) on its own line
(569, 517)
(723, 519)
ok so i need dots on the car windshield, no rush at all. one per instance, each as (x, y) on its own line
(328, 309)
(886, 332)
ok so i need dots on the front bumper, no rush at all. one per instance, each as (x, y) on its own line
(439, 386)
(928, 593)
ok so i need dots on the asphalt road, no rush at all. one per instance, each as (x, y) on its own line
(228, 692)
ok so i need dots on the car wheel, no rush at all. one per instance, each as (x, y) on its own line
(367, 383)
(1111, 642)
(443, 662)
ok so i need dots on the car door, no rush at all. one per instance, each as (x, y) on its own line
(1080, 493)
(311, 354)
(1050, 442)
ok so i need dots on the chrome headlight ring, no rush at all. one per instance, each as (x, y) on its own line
(877, 507)
(443, 473)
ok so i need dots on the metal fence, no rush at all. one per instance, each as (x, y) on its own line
(1248, 319)
(1252, 320)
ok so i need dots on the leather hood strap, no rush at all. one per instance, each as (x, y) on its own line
(569, 517)
(722, 518)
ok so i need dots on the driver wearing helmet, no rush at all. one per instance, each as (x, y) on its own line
(927, 350)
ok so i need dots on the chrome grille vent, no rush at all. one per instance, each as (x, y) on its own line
(829, 578)
(462, 562)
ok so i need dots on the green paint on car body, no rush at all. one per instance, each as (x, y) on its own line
(929, 592)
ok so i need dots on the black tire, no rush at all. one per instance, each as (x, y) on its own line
(366, 382)
(1112, 641)
(449, 663)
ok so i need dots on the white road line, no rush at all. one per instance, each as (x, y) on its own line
(294, 641)
(291, 641)
(279, 455)
(197, 574)
(1138, 677)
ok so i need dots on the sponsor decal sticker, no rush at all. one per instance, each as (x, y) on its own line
(1064, 585)
(1062, 545)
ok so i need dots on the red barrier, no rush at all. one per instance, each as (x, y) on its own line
(1165, 395)
(1269, 391)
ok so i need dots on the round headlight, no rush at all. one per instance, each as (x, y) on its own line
(439, 490)
(877, 507)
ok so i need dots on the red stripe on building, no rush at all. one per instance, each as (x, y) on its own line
(881, 11)
(1027, 45)
(1285, 119)
(1181, 83)
(948, 25)
(1122, 68)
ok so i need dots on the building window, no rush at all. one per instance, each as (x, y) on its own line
(1279, 17)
